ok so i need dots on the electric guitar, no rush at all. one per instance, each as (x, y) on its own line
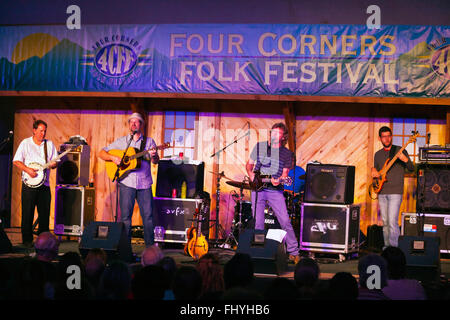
(41, 171)
(131, 161)
(377, 183)
(263, 181)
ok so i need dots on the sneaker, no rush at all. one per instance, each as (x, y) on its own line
(294, 259)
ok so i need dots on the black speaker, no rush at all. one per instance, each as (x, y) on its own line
(172, 175)
(268, 255)
(74, 209)
(422, 257)
(433, 188)
(109, 236)
(329, 183)
(5, 243)
(73, 168)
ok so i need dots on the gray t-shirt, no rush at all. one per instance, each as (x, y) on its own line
(395, 175)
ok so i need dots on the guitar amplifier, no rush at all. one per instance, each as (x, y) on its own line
(174, 216)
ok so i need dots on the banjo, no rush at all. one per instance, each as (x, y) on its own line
(41, 171)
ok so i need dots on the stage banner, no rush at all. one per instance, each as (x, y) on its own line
(272, 59)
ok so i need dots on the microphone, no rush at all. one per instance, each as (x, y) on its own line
(10, 134)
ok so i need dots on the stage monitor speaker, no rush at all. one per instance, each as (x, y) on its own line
(73, 168)
(5, 243)
(74, 209)
(268, 255)
(109, 236)
(433, 188)
(422, 257)
(329, 183)
(172, 175)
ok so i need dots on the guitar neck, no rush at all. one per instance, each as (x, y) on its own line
(143, 153)
(392, 161)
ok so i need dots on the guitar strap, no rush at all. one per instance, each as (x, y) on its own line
(143, 143)
(392, 152)
(45, 151)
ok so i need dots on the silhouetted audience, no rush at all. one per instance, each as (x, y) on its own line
(281, 289)
(398, 287)
(95, 264)
(187, 284)
(72, 283)
(170, 268)
(372, 280)
(343, 286)
(30, 280)
(149, 283)
(211, 272)
(306, 276)
(238, 271)
(115, 282)
(47, 248)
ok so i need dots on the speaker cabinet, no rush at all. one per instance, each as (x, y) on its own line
(73, 169)
(173, 216)
(109, 236)
(74, 209)
(329, 183)
(433, 188)
(422, 257)
(268, 255)
(171, 176)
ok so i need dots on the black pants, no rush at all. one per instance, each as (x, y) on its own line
(32, 197)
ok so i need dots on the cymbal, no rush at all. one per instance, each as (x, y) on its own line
(221, 174)
(239, 184)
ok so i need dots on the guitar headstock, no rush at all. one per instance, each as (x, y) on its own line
(413, 137)
(163, 146)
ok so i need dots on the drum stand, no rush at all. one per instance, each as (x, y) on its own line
(236, 226)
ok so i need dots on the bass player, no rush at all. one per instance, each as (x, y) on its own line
(35, 149)
(391, 195)
(136, 184)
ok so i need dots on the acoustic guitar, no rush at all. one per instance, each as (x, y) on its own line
(198, 245)
(41, 171)
(131, 161)
(377, 183)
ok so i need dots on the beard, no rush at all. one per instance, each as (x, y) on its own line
(387, 145)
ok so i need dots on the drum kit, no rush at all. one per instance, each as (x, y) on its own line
(243, 216)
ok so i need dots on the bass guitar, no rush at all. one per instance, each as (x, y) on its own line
(131, 161)
(41, 171)
(197, 245)
(377, 183)
(263, 181)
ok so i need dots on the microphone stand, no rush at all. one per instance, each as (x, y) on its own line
(116, 176)
(219, 176)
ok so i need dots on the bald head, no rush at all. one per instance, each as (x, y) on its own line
(46, 246)
(151, 256)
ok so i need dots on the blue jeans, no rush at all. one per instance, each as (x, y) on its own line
(277, 202)
(144, 197)
(389, 209)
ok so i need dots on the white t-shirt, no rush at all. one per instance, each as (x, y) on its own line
(29, 152)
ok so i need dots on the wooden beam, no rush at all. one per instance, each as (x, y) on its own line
(289, 119)
(351, 99)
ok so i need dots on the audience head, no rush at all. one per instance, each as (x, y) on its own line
(396, 262)
(187, 284)
(306, 273)
(151, 255)
(238, 271)
(46, 246)
(149, 283)
(281, 289)
(170, 268)
(30, 282)
(369, 261)
(211, 273)
(115, 282)
(343, 286)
